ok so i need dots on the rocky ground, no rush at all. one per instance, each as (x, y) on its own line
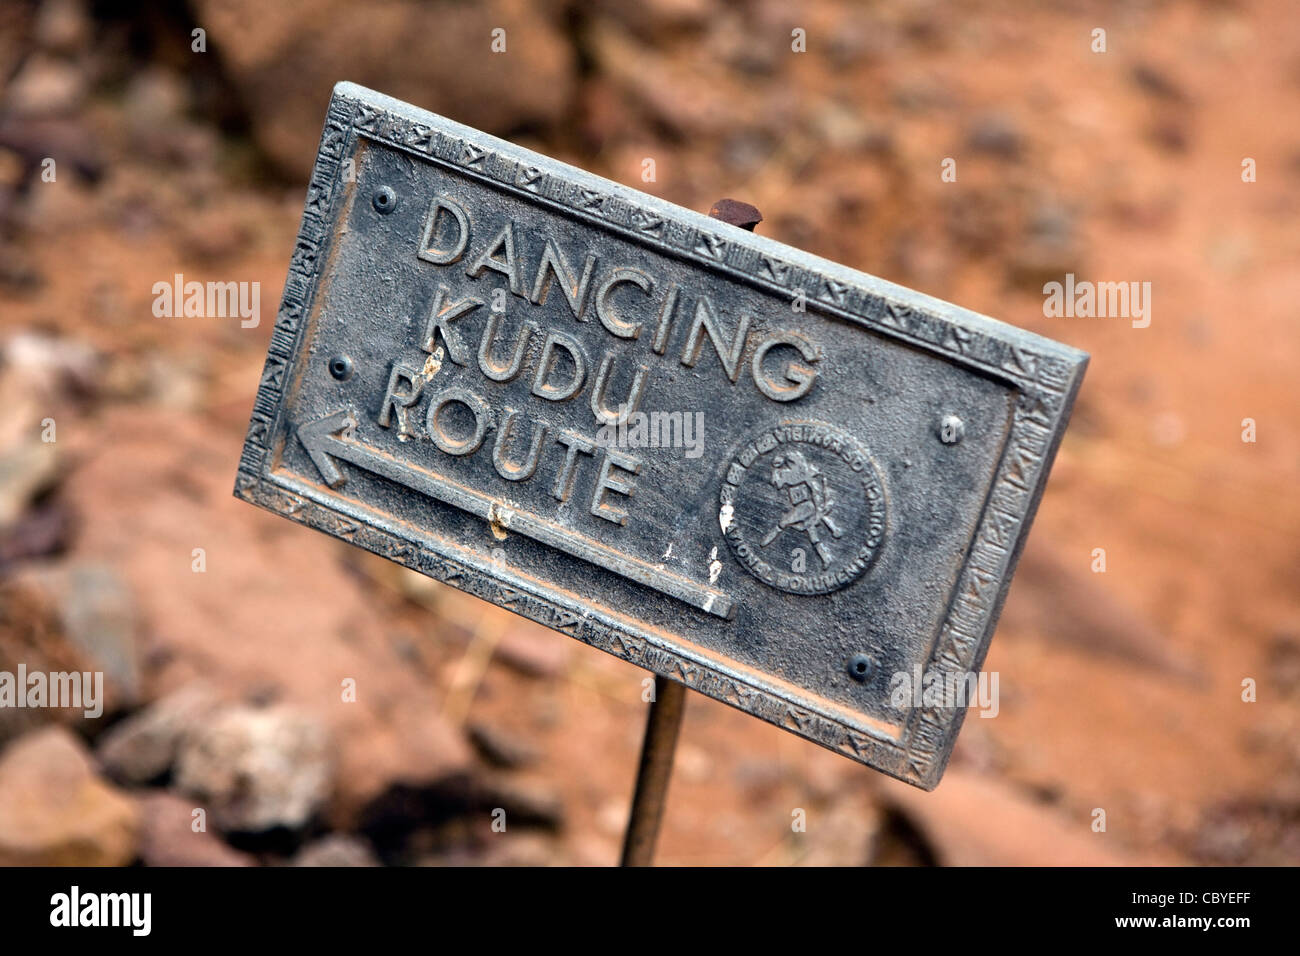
(228, 636)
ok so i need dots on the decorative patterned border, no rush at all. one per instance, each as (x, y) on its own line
(1045, 374)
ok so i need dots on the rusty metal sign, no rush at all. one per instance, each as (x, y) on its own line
(776, 480)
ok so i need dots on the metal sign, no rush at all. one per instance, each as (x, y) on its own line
(773, 479)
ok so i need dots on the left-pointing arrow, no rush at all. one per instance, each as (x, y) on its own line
(332, 439)
(318, 437)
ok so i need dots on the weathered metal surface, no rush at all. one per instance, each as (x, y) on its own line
(466, 323)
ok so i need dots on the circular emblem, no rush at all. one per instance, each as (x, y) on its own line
(803, 508)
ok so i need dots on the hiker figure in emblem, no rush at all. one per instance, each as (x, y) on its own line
(811, 502)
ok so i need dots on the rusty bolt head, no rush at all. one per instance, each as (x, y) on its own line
(736, 213)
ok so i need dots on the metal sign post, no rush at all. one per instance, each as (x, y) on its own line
(760, 475)
(663, 721)
(664, 718)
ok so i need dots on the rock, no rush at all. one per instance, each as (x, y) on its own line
(1050, 247)
(13, 173)
(658, 87)
(841, 126)
(155, 96)
(1229, 836)
(533, 652)
(97, 613)
(591, 849)
(156, 109)
(143, 747)
(52, 365)
(30, 633)
(257, 769)
(27, 471)
(528, 848)
(612, 816)
(33, 384)
(168, 837)
(44, 530)
(977, 821)
(526, 802)
(501, 748)
(285, 58)
(337, 849)
(458, 810)
(1155, 81)
(852, 42)
(68, 139)
(737, 41)
(747, 150)
(1284, 661)
(173, 497)
(660, 21)
(19, 273)
(46, 87)
(843, 834)
(216, 235)
(1171, 135)
(980, 220)
(62, 26)
(693, 764)
(899, 842)
(54, 809)
(1063, 602)
(997, 135)
(418, 588)
(758, 777)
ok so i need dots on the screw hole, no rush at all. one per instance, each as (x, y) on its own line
(860, 667)
(341, 367)
(384, 200)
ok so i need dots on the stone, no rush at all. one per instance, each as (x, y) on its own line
(979, 821)
(51, 365)
(1283, 659)
(998, 135)
(144, 746)
(337, 849)
(155, 96)
(1064, 603)
(97, 613)
(661, 21)
(533, 653)
(32, 374)
(175, 496)
(257, 769)
(841, 834)
(26, 472)
(658, 88)
(500, 747)
(62, 26)
(46, 87)
(527, 848)
(284, 58)
(1050, 247)
(168, 837)
(526, 802)
(43, 530)
(1156, 82)
(30, 634)
(56, 811)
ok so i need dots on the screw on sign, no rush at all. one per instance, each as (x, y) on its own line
(599, 410)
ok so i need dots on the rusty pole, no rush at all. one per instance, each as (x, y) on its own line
(665, 717)
(657, 752)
